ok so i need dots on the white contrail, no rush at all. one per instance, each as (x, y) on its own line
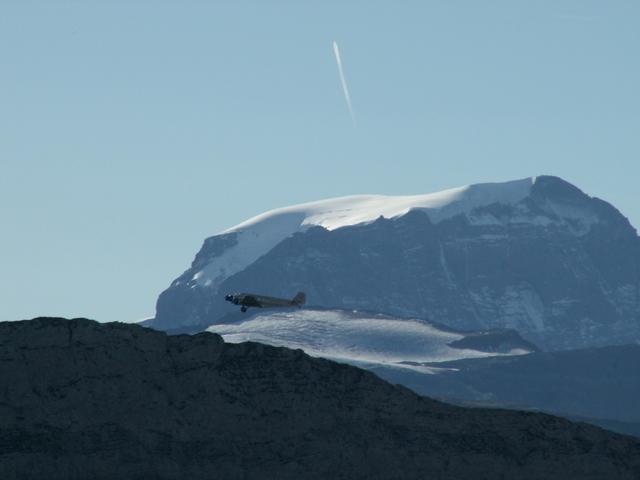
(345, 89)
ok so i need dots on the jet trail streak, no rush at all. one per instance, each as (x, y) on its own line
(345, 89)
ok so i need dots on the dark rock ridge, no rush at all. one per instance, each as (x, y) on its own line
(559, 266)
(85, 400)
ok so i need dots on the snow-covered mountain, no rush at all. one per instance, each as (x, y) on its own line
(369, 340)
(536, 255)
(256, 236)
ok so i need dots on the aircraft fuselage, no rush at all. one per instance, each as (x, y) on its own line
(246, 300)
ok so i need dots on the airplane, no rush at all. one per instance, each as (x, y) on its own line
(246, 300)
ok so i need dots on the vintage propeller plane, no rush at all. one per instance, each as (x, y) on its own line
(246, 300)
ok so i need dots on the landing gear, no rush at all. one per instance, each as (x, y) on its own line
(243, 309)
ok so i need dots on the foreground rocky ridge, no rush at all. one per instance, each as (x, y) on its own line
(85, 400)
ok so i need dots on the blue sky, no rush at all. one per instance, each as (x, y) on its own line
(130, 131)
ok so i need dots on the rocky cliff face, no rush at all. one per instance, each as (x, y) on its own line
(559, 266)
(80, 399)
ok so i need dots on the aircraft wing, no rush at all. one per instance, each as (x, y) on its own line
(252, 301)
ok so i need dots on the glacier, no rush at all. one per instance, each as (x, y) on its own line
(368, 339)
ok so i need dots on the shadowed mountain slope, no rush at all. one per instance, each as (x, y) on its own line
(592, 383)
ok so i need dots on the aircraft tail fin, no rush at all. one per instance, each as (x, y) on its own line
(299, 299)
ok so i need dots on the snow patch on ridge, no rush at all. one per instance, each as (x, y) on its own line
(260, 234)
(359, 339)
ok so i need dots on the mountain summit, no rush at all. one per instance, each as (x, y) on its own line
(536, 255)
